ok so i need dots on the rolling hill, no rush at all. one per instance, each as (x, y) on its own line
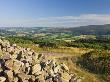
(82, 30)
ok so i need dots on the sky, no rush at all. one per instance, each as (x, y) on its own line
(54, 13)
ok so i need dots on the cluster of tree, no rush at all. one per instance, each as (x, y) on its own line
(91, 43)
(96, 61)
(54, 43)
(49, 43)
(20, 40)
(41, 42)
(4, 32)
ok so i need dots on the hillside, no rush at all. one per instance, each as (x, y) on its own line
(91, 29)
(82, 30)
(18, 64)
(70, 46)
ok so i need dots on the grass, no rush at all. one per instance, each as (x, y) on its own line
(88, 77)
(64, 54)
(66, 50)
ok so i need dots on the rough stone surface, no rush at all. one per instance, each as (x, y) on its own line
(19, 64)
(2, 79)
(9, 64)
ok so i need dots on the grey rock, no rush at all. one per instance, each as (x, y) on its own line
(9, 73)
(2, 79)
(23, 77)
(17, 66)
(9, 64)
(15, 79)
(36, 69)
(6, 56)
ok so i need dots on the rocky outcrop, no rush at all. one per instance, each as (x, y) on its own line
(19, 64)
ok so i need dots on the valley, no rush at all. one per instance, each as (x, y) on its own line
(80, 52)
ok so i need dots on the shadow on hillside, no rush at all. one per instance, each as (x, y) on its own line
(97, 64)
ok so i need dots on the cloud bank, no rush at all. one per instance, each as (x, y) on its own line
(64, 21)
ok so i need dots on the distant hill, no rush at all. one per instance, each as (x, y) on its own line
(4, 32)
(82, 30)
(85, 30)
(91, 29)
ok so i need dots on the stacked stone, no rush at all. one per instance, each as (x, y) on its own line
(19, 64)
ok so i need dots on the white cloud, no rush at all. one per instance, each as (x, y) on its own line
(64, 21)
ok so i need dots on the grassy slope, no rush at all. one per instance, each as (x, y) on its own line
(88, 77)
(68, 53)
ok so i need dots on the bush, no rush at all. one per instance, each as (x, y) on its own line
(96, 61)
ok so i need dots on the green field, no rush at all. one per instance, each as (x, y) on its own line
(88, 55)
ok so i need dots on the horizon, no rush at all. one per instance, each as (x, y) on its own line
(54, 13)
(53, 27)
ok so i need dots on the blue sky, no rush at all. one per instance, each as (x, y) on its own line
(56, 13)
